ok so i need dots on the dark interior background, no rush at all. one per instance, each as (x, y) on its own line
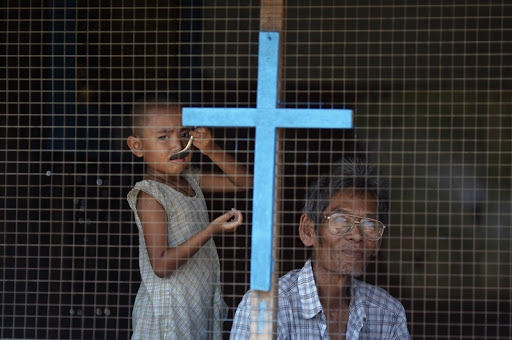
(430, 86)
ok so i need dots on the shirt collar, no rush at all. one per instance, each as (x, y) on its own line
(308, 293)
(310, 300)
(357, 310)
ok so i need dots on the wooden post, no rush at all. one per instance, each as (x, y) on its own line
(264, 320)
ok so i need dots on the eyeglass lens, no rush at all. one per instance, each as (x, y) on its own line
(340, 224)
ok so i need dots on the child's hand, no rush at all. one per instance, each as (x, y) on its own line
(202, 139)
(228, 222)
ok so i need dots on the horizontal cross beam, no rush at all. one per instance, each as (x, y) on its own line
(266, 118)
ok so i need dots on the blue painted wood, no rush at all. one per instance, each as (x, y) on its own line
(266, 118)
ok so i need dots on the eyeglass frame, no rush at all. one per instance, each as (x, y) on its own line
(380, 225)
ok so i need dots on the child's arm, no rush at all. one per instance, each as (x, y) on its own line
(235, 176)
(166, 260)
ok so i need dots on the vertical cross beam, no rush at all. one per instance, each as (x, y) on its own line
(266, 118)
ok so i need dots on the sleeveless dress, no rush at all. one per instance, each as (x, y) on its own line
(187, 304)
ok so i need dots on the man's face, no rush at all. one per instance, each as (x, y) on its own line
(347, 254)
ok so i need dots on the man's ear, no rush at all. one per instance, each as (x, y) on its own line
(307, 230)
(135, 144)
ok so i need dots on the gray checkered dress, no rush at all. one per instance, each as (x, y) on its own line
(187, 304)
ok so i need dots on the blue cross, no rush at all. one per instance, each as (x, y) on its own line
(266, 118)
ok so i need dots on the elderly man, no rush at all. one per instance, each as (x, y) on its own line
(343, 221)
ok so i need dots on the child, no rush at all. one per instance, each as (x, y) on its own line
(180, 293)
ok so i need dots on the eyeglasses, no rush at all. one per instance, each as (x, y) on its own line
(340, 224)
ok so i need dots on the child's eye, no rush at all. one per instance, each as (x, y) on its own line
(164, 137)
(185, 134)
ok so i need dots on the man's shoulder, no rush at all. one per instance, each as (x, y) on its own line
(376, 296)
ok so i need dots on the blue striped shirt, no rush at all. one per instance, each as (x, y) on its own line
(373, 312)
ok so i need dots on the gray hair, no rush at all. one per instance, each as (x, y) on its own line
(348, 173)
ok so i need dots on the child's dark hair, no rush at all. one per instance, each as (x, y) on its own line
(148, 102)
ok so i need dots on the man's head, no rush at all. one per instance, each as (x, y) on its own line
(344, 217)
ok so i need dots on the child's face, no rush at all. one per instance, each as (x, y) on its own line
(162, 137)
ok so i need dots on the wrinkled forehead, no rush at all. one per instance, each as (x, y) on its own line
(353, 200)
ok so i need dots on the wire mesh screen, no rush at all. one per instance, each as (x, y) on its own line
(429, 84)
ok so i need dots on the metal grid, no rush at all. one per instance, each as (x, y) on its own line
(430, 86)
